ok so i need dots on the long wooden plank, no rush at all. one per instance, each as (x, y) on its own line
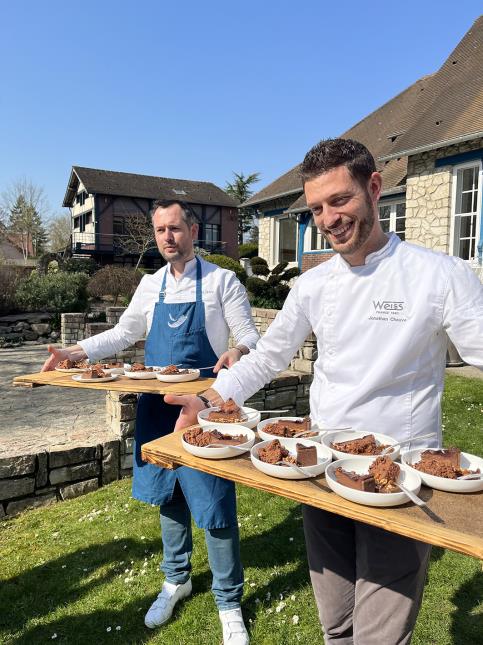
(451, 521)
(121, 384)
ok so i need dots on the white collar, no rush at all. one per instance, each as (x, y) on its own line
(375, 257)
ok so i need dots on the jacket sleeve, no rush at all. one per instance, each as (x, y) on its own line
(272, 354)
(463, 313)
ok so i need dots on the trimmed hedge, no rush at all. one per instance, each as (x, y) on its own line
(225, 262)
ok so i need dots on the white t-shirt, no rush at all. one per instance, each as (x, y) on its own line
(225, 301)
(381, 335)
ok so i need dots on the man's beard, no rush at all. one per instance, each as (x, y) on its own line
(361, 232)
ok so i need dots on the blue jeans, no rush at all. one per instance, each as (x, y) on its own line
(223, 552)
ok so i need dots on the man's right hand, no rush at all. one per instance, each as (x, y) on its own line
(191, 405)
(56, 355)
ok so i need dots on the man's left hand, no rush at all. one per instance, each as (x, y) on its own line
(227, 359)
(191, 405)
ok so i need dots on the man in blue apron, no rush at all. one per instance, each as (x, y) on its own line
(188, 308)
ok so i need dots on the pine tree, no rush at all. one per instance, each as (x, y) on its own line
(26, 228)
(239, 189)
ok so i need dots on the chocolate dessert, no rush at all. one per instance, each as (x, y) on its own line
(94, 372)
(353, 480)
(285, 428)
(274, 452)
(443, 463)
(170, 369)
(204, 438)
(67, 364)
(229, 412)
(306, 455)
(366, 445)
(385, 473)
(139, 367)
(109, 366)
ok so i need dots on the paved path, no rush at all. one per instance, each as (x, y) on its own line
(33, 419)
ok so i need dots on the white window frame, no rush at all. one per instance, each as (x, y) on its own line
(469, 164)
(392, 213)
(324, 245)
(275, 236)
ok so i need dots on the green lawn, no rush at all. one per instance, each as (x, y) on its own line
(86, 570)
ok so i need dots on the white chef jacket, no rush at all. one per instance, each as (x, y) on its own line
(381, 332)
(224, 298)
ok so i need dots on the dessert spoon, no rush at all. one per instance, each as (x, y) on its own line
(412, 496)
(470, 476)
(401, 443)
(319, 432)
(224, 445)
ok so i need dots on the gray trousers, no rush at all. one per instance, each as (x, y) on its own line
(368, 583)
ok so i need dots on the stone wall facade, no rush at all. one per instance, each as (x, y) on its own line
(27, 329)
(429, 194)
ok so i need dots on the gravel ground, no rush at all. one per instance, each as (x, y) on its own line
(42, 417)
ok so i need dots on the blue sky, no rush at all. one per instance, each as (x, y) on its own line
(197, 90)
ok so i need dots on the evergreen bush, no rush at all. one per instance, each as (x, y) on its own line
(118, 282)
(225, 262)
(271, 292)
(248, 250)
(57, 292)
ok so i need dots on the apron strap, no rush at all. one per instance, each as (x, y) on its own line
(198, 280)
(162, 292)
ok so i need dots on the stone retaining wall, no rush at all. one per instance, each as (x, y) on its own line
(27, 329)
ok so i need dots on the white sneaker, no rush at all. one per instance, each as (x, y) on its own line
(162, 608)
(234, 630)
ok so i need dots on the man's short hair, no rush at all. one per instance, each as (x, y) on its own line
(332, 153)
(189, 216)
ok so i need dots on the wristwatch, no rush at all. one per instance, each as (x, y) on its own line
(206, 401)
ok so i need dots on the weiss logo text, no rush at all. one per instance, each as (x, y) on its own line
(387, 305)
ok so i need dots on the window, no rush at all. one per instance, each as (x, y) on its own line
(392, 216)
(77, 223)
(81, 198)
(314, 240)
(212, 233)
(118, 226)
(466, 208)
(88, 217)
(287, 240)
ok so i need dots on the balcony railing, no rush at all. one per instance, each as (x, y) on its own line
(89, 243)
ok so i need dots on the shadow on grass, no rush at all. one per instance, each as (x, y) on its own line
(466, 624)
(55, 587)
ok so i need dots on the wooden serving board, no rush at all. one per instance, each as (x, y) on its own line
(453, 521)
(121, 384)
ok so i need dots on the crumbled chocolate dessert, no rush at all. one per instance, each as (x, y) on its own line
(285, 428)
(364, 446)
(274, 452)
(198, 437)
(443, 463)
(385, 473)
(229, 412)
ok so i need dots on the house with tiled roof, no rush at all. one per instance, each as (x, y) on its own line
(428, 146)
(102, 201)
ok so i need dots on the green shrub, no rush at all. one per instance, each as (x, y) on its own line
(56, 292)
(259, 266)
(272, 292)
(248, 250)
(225, 262)
(80, 265)
(118, 282)
(10, 278)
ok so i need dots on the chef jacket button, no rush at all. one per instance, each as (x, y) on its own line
(330, 311)
(331, 352)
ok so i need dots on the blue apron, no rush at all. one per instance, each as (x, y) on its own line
(178, 336)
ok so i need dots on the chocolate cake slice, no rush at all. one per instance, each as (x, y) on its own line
(306, 455)
(229, 412)
(353, 480)
(286, 428)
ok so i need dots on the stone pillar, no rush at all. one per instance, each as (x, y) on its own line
(121, 419)
(72, 328)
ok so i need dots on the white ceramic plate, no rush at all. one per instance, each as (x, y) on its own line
(349, 435)
(472, 462)
(71, 370)
(324, 457)
(266, 436)
(138, 375)
(225, 451)
(111, 370)
(252, 417)
(104, 379)
(188, 375)
(409, 477)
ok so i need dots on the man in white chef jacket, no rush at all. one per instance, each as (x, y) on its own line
(186, 310)
(382, 311)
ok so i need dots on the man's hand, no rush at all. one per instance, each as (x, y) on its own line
(191, 405)
(227, 359)
(56, 355)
